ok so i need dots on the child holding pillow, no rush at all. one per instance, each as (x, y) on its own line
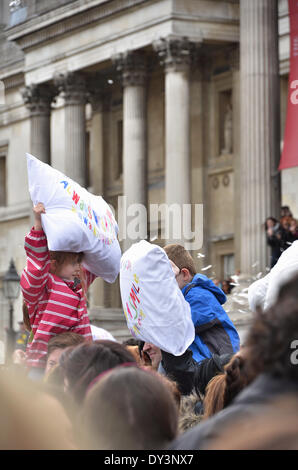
(54, 286)
(215, 332)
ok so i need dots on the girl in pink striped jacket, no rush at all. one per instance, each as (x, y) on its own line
(54, 286)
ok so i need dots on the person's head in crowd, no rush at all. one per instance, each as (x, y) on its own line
(217, 282)
(223, 388)
(272, 334)
(68, 265)
(183, 261)
(65, 264)
(129, 408)
(154, 353)
(285, 222)
(30, 418)
(226, 286)
(83, 363)
(56, 346)
(133, 346)
(270, 222)
(285, 212)
(275, 428)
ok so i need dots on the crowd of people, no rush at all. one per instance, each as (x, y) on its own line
(280, 234)
(226, 285)
(94, 392)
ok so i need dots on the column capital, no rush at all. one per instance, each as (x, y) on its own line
(72, 85)
(132, 65)
(38, 98)
(174, 53)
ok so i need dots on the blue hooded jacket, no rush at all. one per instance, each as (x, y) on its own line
(215, 332)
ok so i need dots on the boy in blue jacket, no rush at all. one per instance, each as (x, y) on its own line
(215, 332)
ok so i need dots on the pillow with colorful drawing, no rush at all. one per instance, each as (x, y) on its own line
(155, 308)
(75, 220)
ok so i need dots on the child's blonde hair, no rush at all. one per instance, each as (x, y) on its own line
(62, 257)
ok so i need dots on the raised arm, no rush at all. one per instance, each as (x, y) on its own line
(36, 272)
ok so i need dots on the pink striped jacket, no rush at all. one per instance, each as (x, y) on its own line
(55, 305)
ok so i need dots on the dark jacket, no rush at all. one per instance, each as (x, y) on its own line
(191, 375)
(215, 332)
(249, 403)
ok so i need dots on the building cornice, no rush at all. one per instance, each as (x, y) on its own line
(65, 20)
(73, 16)
(15, 80)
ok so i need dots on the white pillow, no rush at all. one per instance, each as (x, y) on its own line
(264, 292)
(100, 333)
(75, 220)
(281, 273)
(155, 309)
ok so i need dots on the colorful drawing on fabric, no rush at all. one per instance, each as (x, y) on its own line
(102, 227)
(126, 265)
(133, 311)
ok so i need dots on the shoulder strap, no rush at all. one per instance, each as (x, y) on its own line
(188, 289)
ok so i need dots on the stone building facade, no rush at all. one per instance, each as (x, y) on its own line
(163, 101)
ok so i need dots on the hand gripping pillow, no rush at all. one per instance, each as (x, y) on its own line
(153, 304)
(75, 220)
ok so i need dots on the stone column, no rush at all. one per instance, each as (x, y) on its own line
(73, 87)
(97, 93)
(37, 99)
(234, 60)
(259, 72)
(97, 98)
(133, 69)
(175, 55)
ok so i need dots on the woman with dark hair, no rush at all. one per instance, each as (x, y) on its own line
(83, 363)
(129, 408)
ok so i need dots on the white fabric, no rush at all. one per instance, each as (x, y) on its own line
(75, 220)
(265, 291)
(257, 292)
(155, 309)
(101, 333)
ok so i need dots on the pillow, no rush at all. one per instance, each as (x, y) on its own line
(264, 292)
(75, 220)
(154, 306)
(100, 333)
(282, 272)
